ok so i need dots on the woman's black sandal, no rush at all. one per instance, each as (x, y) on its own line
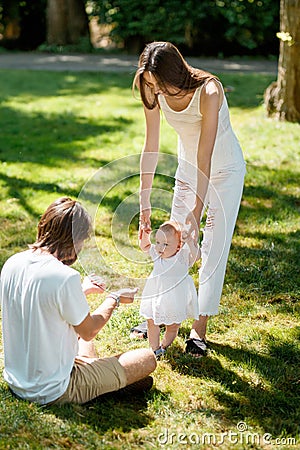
(196, 347)
(141, 331)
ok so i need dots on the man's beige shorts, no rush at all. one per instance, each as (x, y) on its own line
(91, 378)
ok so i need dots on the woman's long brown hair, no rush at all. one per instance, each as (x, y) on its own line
(170, 69)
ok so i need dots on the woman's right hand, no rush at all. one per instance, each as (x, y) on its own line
(145, 222)
(194, 223)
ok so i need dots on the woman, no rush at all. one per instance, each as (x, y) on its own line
(211, 168)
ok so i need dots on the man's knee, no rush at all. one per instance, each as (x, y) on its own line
(137, 364)
(150, 358)
(146, 358)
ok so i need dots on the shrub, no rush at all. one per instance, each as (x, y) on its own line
(209, 27)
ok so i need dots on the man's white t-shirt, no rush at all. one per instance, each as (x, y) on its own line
(41, 300)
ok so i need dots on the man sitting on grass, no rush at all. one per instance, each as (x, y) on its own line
(47, 326)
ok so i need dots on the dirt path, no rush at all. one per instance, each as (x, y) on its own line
(93, 63)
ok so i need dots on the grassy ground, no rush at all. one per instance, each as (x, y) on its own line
(80, 135)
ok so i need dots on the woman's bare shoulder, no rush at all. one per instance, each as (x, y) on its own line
(212, 86)
(212, 93)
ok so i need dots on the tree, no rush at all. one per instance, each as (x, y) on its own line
(282, 97)
(11, 19)
(67, 22)
(22, 23)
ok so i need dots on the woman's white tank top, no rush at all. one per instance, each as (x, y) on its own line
(227, 153)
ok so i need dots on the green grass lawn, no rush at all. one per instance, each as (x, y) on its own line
(80, 134)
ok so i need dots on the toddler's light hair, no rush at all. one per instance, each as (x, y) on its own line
(173, 227)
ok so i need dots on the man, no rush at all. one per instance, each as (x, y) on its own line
(47, 326)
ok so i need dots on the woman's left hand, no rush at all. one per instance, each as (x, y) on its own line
(145, 221)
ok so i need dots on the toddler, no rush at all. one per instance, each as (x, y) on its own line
(169, 295)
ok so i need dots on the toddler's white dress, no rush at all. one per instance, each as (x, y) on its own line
(169, 295)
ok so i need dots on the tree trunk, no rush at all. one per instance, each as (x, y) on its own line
(282, 97)
(67, 22)
(11, 19)
(23, 24)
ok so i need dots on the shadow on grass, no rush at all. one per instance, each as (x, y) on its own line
(54, 142)
(110, 411)
(269, 193)
(271, 399)
(270, 266)
(272, 272)
(55, 139)
(107, 413)
(24, 422)
(15, 187)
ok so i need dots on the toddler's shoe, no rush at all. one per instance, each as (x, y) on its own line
(160, 352)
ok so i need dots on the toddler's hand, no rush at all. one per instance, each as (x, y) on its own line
(126, 295)
(93, 284)
(187, 235)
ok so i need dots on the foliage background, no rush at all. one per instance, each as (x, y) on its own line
(206, 27)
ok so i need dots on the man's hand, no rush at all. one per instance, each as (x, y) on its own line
(93, 323)
(126, 295)
(93, 284)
